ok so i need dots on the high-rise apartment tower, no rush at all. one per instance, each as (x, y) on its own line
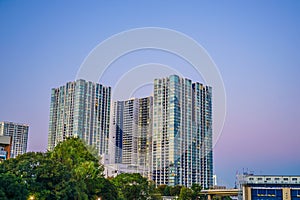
(80, 109)
(182, 132)
(19, 137)
(131, 133)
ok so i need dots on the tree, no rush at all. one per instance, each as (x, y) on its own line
(70, 171)
(167, 191)
(105, 189)
(83, 166)
(39, 172)
(196, 188)
(175, 190)
(164, 190)
(221, 198)
(74, 152)
(12, 187)
(161, 189)
(132, 186)
(155, 193)
(186, 194)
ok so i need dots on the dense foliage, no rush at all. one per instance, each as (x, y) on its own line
(73, 171)
(132, 186)
(70, 171)
(12, 187)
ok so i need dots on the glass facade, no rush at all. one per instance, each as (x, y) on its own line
(266, 194)
(131, 132)
(19, 137)
(182, 132)
(116, 132)
(275, 193)
(80, 109)
(144, 143)
(295, 194)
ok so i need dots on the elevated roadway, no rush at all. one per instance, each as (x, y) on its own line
(220, 192)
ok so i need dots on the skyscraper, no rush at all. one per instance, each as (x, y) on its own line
(131, 132)
(182, 132)
(116, 132)
(19, 137)
(145, 133)
(80, 109)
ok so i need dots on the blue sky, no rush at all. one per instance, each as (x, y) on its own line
(255, 45)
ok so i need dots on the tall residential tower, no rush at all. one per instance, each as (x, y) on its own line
(131, 132)
(19, 137)
(182, 132)
(80, 109)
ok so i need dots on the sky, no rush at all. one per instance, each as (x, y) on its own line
(255, 46)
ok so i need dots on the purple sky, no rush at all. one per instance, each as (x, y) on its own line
(255, 45)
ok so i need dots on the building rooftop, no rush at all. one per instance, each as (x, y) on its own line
(21, 124)
(247, 179)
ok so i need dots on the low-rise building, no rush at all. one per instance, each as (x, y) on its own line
(5, 146)
(19, 137)
(269, 187)
(112, 170)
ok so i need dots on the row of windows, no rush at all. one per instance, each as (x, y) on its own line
(275, 179)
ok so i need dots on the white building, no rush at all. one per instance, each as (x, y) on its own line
(215, 180)
(131, 132)
(112, 170)
(19, 137)
(182, 132)
(268, 187)
(80, 109)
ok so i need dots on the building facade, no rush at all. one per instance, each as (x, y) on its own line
(268, 187)
(116, 132)
(145, 124)
(182, 132)
(113, 170)
(80, 109)
(19, 137)
(131, 132)
(5, 147)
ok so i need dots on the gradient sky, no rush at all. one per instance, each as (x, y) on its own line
(255, 45)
